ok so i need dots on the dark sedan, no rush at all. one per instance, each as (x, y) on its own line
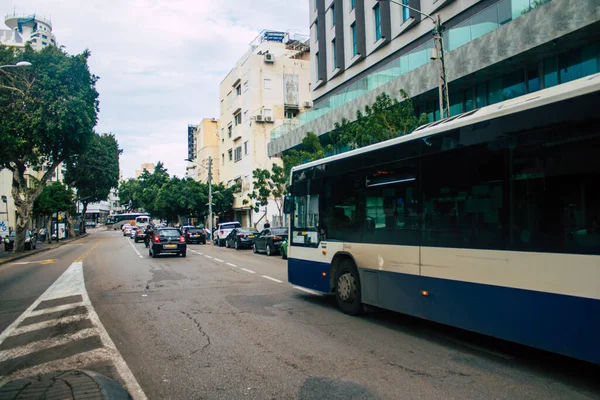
(240, 238)
(30, 241)
(167, 241)
(270, 240)
(140, 233)
(195, 235)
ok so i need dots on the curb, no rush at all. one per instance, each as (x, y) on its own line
(33, 253)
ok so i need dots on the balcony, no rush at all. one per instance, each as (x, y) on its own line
(478, 25)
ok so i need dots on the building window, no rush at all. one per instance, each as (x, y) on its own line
(354, 40)
(405, 11)
(246, 147)
(377, 16)
(44, 43)
(334, 52)
(44, 37)
(245, 116)
(229, 130)
(332, 16)
(316, 31)
(267, 83)
(230, 152)
(246, 86)
(238, 119)
(316, 4)
(238, 90)
(222, 158)
(352, 5)
(291, 114)
(238, 153)
(318, 62)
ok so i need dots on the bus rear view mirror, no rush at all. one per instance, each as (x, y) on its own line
(288, 205)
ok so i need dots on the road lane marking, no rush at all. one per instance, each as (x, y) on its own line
(232, 265)
(216, 259)
(195, 252)
(70, 284)
(308, 291)
(272, 279)
(49, 324)
(55, 309)
(248, 270)
(136, 250)
(208, 257)
(87, 253)
(35, 262)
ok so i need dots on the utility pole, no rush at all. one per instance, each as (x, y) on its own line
(210, 212)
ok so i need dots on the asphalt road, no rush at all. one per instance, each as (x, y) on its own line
(225, 324)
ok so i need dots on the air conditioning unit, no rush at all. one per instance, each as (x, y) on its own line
(269, 58)
(269, 119)
(307, 104)
(258, 118)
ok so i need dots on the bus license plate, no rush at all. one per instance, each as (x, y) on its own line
(251, 237)
(170, 246)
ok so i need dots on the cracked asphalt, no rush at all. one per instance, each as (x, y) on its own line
(225, 324)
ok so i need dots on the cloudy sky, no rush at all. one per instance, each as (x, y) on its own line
(160, 62)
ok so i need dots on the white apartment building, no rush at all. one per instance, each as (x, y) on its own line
(268, 85)
(25, 28)
(203, 143)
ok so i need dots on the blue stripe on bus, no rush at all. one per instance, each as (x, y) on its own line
(309, 274)
(567, 325)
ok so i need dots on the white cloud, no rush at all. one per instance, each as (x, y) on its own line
(160, 61)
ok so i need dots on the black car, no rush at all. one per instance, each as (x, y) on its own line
(167, 241)
(240, 238)
(270, 240)
(194, 235)
(30, 241)
(140, 233)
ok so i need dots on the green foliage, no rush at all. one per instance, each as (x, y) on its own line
(268, 185)
(94, 172)
(48, 113)
(53, 199)
(533, 5)
(310, 150)
(172, 198)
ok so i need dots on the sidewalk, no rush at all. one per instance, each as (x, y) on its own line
(9, 256)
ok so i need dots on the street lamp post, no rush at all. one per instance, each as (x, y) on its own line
(17, 65)
(438, 38)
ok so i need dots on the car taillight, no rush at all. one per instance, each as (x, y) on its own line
(241, 235)
(156, 239)
(181, 239)
(276, 237)
(221, 232)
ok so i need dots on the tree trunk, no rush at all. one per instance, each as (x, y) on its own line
(82, 228)
(71, 223)
(23, 206)
(49, 228)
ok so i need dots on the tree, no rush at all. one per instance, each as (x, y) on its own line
(54, 198)
(95, 171)
(310, 150)
(223, 198)
(268, 185)
(48, 112)
(127, 191)
(149, 186)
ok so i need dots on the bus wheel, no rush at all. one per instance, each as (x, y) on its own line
(347, 288)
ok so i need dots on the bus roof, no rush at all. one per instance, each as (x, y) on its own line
(579, 87)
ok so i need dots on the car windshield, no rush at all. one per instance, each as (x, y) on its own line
(247, 230)
(230, 226)
(169, 233)
(279, 232)
(195, 230)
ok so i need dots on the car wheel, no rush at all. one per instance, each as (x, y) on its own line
(221, 244)
(254, 249)
(226, 244)
(154, 254)
(149, 252)
(347, 288)
(183, 254)
(268, 249)
(236, 245)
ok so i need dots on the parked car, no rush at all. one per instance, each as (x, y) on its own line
(140, 233)
(223, 230)
(194, 235)
(270, 240)
(167, 241)
(30, 241)
(240, 238)
(284, 249)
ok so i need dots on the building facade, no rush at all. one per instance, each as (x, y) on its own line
(495, 50)
(268, 85)
(202, 146)
(145, 167)
(25, 28)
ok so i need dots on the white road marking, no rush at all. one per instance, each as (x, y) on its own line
(248, 270)
(272, 279)
(208, 257)
(33, 262)
(232, 265)
(308, 291)
(194, 251)
(136, 250)
(49, 324)
(46, 343)
(216, 259)
(57, 308)
(71, 283)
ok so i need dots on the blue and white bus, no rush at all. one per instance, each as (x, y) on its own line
(488, 221)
